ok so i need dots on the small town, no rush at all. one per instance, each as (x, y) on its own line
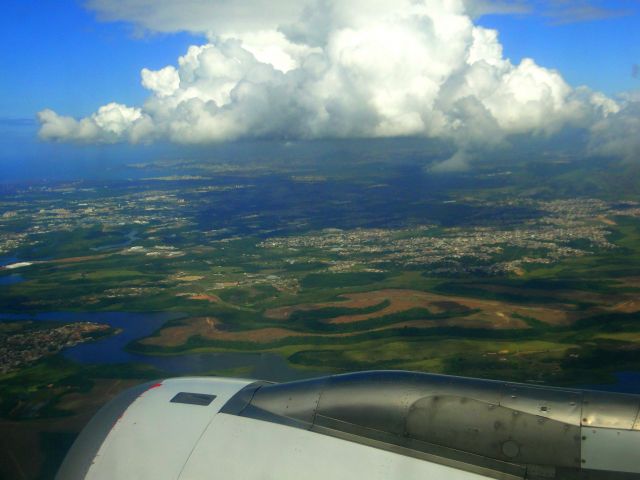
(20, 349)
(543, 240)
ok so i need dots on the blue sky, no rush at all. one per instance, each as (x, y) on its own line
(56, 54)
(598, 53)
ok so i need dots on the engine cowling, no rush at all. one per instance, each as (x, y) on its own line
(381, 424)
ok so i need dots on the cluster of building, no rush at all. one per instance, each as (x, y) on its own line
(25, 218)
(565, 228)
(19, 349)
(555, 230)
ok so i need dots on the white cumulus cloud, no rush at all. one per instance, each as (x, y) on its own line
(334, 69)
(619, 134)
(163, 82)
(111, 123)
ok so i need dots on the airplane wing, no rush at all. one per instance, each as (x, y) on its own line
(368, 425)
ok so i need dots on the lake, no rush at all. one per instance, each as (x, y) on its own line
(111, 350)
(10, 279)
(8, 261)
(263, 366)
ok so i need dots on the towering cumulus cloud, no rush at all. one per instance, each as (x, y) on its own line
(333, 69)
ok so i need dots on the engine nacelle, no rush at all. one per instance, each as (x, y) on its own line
(369, 425)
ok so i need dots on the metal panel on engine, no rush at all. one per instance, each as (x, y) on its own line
(494, 431)
(555, 404)
(607, 449)
(610, 410)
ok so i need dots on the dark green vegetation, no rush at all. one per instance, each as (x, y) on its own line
(527, 272)
(38, 390)
(341, 280)
(43, 407)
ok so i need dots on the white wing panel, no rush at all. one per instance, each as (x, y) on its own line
(154, 437)
(235, 447)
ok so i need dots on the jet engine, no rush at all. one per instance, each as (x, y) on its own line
(368, 425)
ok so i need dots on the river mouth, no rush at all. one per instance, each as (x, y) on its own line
(134, 326)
